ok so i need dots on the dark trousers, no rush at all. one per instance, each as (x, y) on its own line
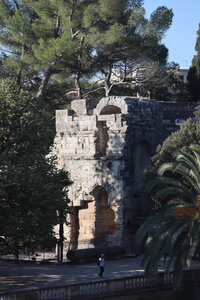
(101, 271)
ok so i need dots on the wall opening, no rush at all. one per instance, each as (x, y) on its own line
(86, 224)
(110, 109)
(102, 139)
(72, 113)
(104, 221)
(82, 221)
(92, 221)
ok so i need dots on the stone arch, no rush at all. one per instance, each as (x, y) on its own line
(103, 136)
(110, 109)
(109, 104)
(72, 112)
(93, 221)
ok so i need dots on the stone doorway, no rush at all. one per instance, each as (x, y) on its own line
(92, 222)
(104, 221)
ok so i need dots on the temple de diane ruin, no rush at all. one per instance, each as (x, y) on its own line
(105, 145)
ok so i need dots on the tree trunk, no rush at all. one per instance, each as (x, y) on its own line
(43, 85)
(60, 243)
(78, 87)
(107, 92)
(107, 86)
(19, 72)
(45, 80)
(107, 83)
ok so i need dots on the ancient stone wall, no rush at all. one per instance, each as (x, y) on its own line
(106, 145)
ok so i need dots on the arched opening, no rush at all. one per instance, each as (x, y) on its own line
(102, 140)
(104, 221)
(110, 109)
(92, 221)
(103, 136)
(72, 113)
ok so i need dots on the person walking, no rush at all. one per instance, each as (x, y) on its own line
(101, 264)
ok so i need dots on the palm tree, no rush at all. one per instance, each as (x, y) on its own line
(174, 231)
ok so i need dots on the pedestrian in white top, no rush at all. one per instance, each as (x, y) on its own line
(101, 264)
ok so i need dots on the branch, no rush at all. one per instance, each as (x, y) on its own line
(73, 35)
(16, 4)
(94, 84)
(4, 50)
(95, 90)
(117, 83)
(58, 71)
(71, 92)
(57, 27)
(45, 79)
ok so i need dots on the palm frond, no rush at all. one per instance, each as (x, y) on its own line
(196, 150)
(175, 192)
(174, 231)
(143, 232)
(192, 178)
(186, 158)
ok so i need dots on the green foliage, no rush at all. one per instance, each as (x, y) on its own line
(196, 58)
(123, 39)
(189, 133)
(160, 21)
(18, 117)
(33, 195)
(194, 83)
(53, 41)
(161, 81)
(112, 10)
(194, 72)
(174, 231)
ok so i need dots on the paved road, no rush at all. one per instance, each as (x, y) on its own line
(28, 275)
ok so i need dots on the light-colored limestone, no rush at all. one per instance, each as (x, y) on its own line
(105, 147)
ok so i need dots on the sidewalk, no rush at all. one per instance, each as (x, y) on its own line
(30, 275)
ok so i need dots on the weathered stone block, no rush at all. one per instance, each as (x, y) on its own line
(105, 147)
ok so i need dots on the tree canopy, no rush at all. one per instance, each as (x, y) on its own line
(33, 195)
(188, 133)
(124, 39)
(194, 72)
(75, 41)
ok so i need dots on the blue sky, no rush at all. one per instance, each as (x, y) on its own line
(180, 39)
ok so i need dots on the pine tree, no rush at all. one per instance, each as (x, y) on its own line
(38, 35)
(122, 38)
(77, 39)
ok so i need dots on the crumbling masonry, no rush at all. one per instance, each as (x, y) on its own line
(106, 145)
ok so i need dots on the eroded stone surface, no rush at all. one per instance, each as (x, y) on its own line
(106, 145)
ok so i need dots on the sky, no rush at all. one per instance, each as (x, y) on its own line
(180, 39)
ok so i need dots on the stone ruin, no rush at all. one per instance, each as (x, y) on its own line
(105, 145)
